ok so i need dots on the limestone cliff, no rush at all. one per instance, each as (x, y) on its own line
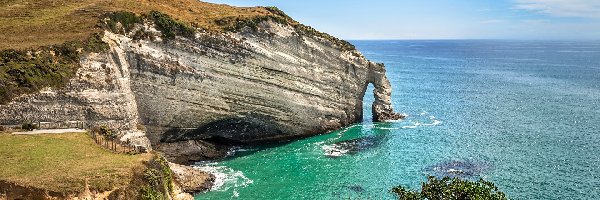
(258, 84)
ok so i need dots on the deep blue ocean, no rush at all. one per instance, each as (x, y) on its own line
(522, 114)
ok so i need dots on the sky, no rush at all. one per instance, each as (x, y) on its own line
(444, 19)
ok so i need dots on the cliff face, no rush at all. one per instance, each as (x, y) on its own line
(256, 85)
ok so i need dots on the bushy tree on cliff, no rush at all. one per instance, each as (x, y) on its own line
(451, 189)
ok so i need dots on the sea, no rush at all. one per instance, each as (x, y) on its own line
(524, 115)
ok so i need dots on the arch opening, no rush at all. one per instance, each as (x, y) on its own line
(368, 99)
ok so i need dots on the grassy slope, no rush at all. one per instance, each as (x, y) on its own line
(62, 162)
(29, 24)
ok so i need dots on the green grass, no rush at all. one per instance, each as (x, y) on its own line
(63, 162)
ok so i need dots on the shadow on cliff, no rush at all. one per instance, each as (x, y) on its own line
(248, 129)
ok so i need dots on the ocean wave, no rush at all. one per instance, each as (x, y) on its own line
(225, 177)
(433, 122)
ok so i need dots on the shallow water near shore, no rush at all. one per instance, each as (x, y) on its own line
(523, 114)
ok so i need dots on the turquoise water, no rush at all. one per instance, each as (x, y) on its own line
(525, 115)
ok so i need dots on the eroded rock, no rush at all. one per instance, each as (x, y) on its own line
(191, 151)
(191, 180)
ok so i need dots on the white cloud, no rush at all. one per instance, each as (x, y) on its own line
(563, 8)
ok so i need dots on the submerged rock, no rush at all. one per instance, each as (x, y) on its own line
(353, 146)
(356, 188)
(459, 169)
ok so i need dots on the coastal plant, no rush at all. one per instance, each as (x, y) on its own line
(122, 21)
(149, 193)
(105, 131)
(170, 27)
(159, 179)
(451, 189)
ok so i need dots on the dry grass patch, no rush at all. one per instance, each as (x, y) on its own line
(63, 162)
(30, 24)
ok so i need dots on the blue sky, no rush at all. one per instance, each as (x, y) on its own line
(444, 19)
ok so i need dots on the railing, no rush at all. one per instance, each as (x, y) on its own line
(61, 125)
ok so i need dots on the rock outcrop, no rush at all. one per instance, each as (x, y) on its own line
(264, 84)
(191, 180)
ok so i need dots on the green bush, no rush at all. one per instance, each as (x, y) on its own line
(159, 178)
(106, 132)
(28, 126)
(170, 27)
(149, 193)
(451, 189)
(126, 20)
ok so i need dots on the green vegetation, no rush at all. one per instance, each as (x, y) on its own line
(159, 178)
(27, 71)
(63, 162)
(170, 27)
(451, 189)
(236, 24)
(29, 126)
(122, 22)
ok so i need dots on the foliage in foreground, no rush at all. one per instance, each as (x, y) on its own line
(159, 180)
(451, 189)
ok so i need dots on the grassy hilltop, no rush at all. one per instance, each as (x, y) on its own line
(33, 23)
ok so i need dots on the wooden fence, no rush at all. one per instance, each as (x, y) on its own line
(114, 144)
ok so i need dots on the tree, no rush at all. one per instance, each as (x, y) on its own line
(451, 189)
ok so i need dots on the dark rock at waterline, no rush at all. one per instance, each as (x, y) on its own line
(353, 146)
(459, 169)
(189, 152)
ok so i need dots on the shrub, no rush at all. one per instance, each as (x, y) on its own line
(28, 126)
(451, 189)
(170, 27)
(149, 193)
(122, 22)
(158, 178)
(2, 129)
(106, 132)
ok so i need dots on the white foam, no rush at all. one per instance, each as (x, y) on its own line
(225, 177)
(409, 127)
(434, 122)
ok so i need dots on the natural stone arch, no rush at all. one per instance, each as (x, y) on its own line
(382, 109)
